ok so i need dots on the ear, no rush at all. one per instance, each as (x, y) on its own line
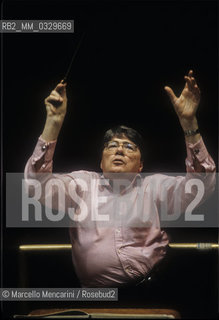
(140, 167)
(101, 167)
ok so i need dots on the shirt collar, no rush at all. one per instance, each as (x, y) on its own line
(105, 182)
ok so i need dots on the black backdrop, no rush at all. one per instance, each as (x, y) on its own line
(131, 50)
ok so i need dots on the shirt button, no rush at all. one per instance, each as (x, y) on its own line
(118, 231)
(128, 269)
(196, 151)
(44, 147)
(43, 166)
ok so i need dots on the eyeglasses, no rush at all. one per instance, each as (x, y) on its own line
(128, 146)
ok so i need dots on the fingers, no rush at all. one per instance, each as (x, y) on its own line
(54, 98)
(170, 94)
(191, 82)
(188, 82)
(190, 73)
(61, 88)
(57, 95)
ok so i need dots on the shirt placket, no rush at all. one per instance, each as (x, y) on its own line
(119, 243)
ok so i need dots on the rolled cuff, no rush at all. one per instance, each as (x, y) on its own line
(198, 153)
(43, 149)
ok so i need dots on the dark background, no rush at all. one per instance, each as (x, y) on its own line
(131, 50)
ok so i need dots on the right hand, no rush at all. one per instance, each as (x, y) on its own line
(56, 102)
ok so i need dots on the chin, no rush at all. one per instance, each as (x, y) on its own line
(118, 169)
(112, 172)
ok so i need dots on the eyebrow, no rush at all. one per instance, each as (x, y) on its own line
(123, 141)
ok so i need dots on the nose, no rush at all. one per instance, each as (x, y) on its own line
(119, 149)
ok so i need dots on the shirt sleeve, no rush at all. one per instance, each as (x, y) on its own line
(171, 190)
(198, 159)
(41, 159)
(39, 167)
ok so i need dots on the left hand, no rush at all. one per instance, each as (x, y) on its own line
(187, 103)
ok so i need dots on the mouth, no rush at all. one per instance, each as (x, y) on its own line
(118, 162)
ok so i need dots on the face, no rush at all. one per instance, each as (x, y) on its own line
(121, 157)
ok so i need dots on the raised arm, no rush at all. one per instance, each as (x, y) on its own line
(171, 192)
(186, 106)
(56, 106)
(40, 164)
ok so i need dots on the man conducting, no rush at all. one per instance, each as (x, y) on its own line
(125, 251)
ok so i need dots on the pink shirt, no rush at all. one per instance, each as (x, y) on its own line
(110, 256)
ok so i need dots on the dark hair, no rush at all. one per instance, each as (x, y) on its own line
(131, 134)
